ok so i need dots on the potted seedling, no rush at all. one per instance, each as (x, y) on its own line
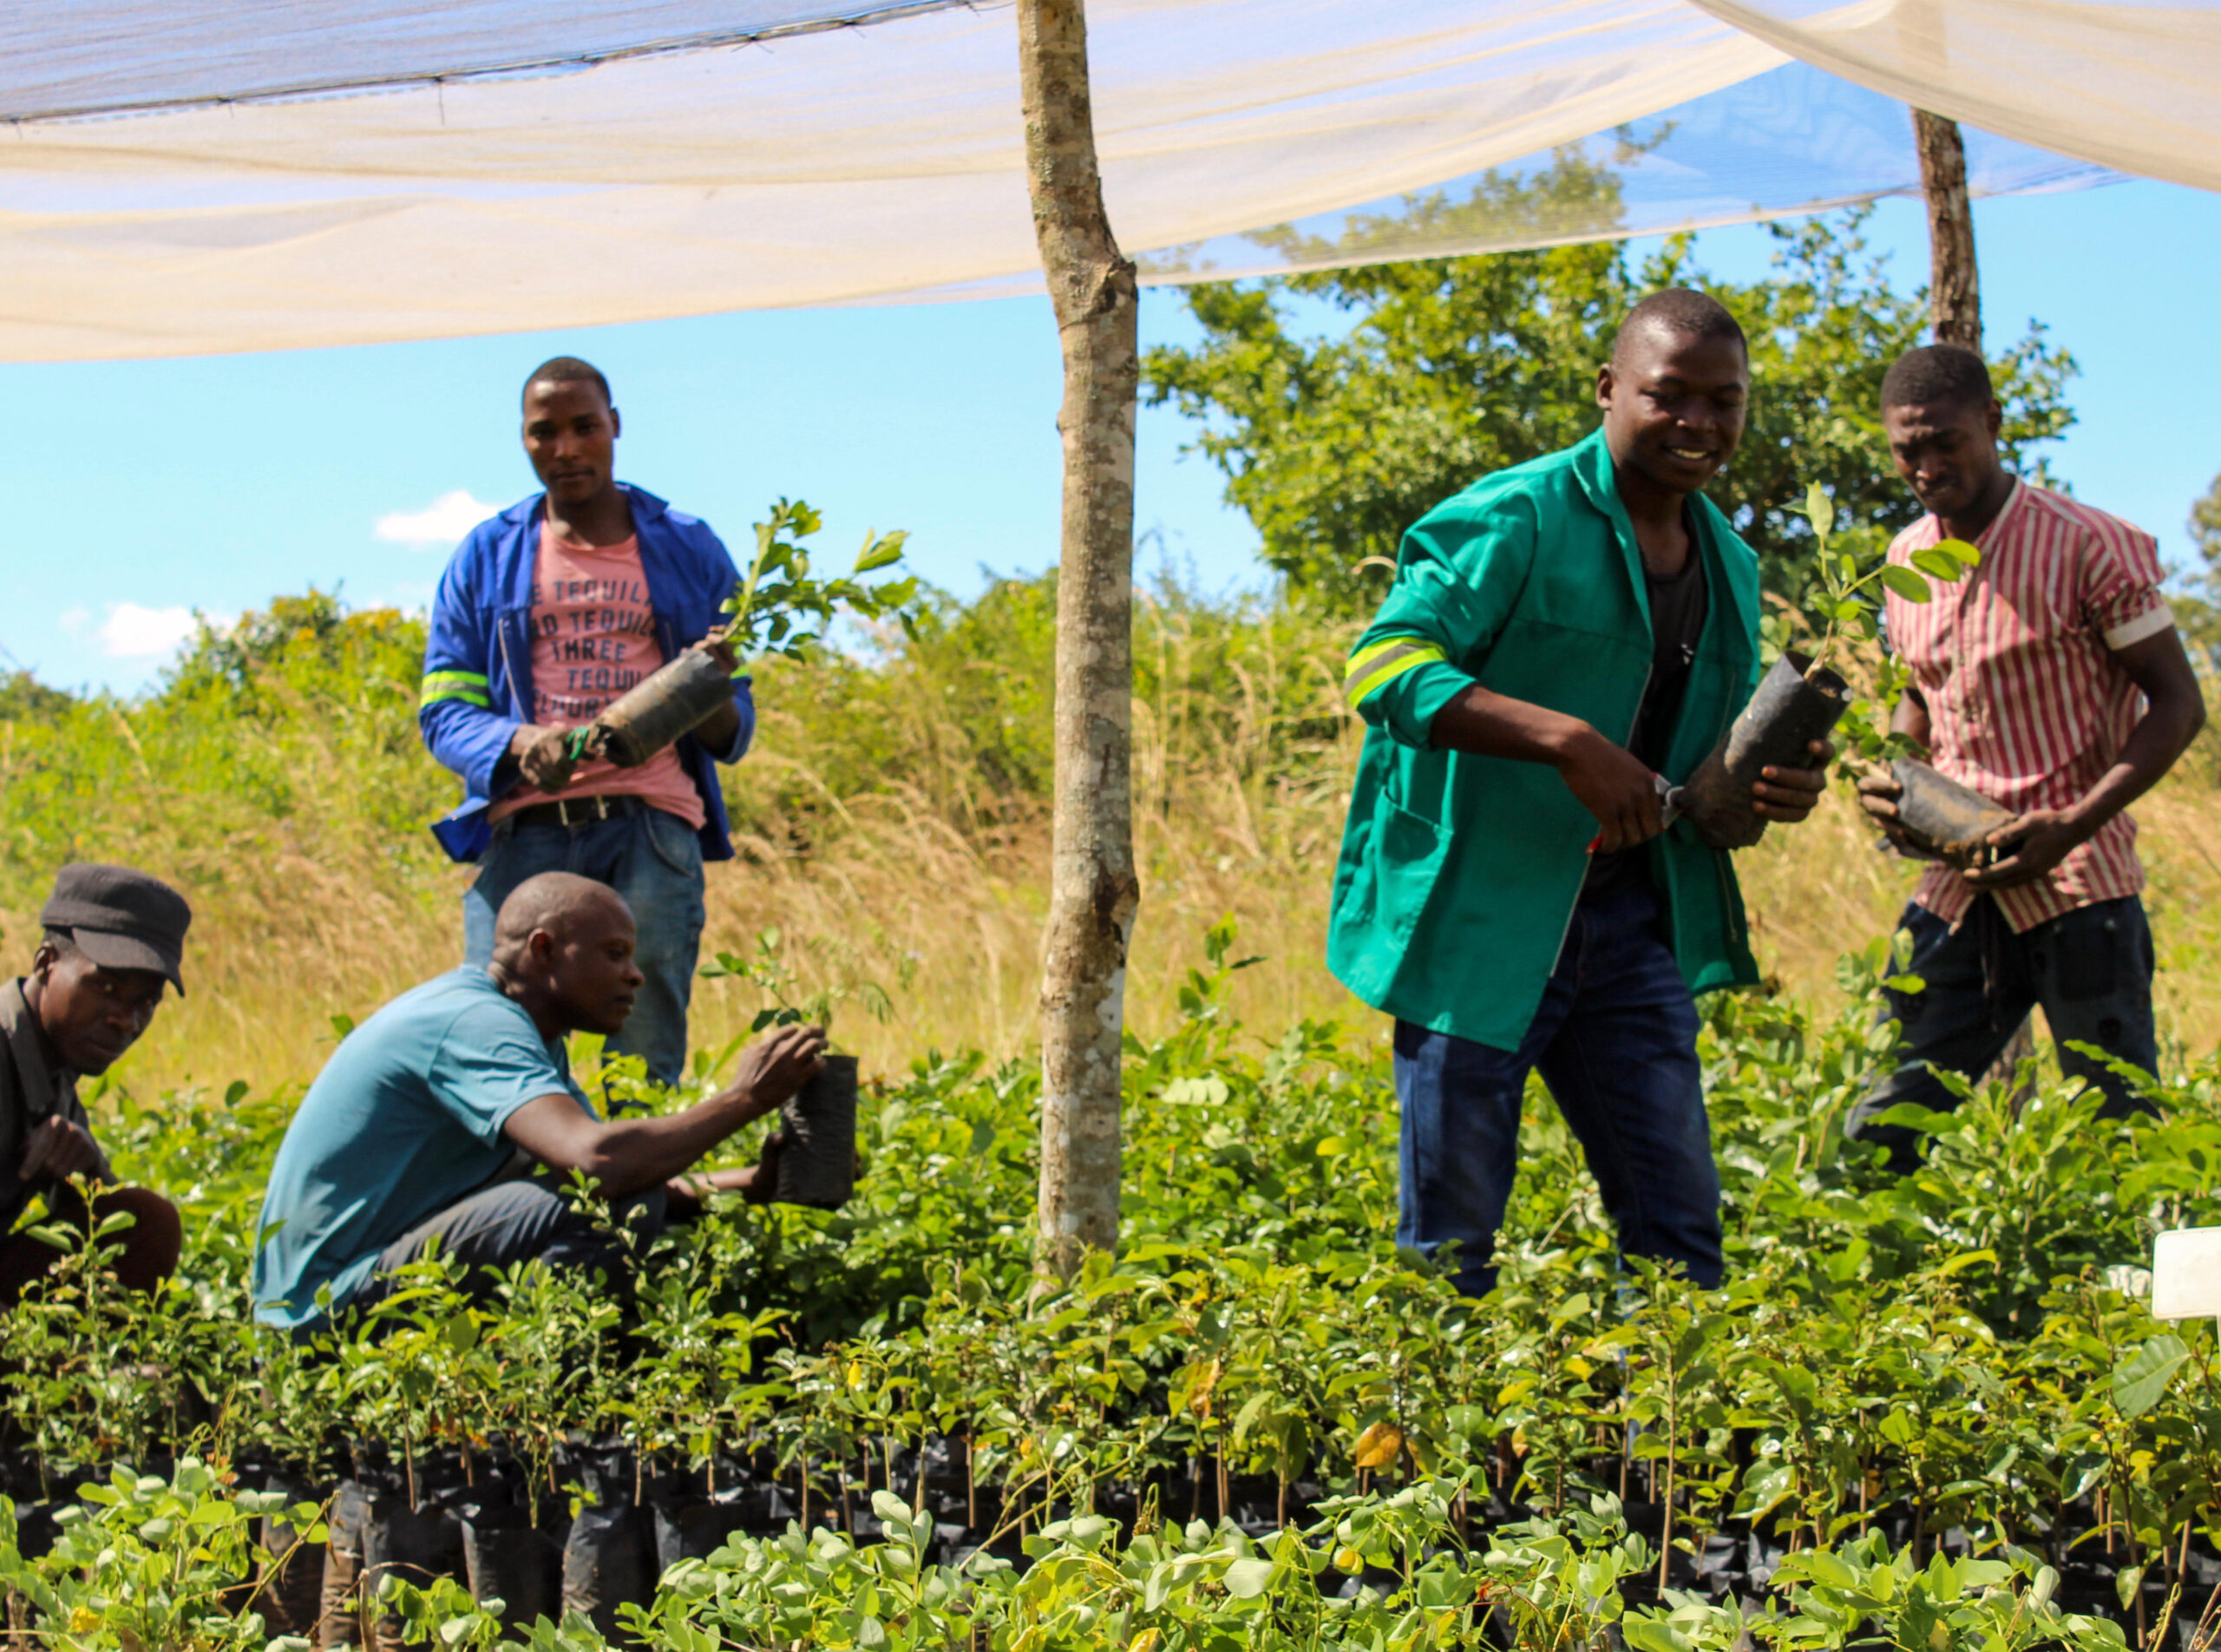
(1803, 697)
(817, 1157)
(779, 608)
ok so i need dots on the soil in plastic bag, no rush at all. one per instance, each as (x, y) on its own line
(510, 1560)
(695, 1529)
(415, 1545)
(1796, 704)
(609, 1558)
(1947, 819)
(290, 1579)
(657, 710)
(817, 1166)
(339, 1621)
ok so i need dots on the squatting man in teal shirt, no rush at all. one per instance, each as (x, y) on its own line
(1558, 637)
(451, 1117)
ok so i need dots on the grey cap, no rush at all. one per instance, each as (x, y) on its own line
(120, 918)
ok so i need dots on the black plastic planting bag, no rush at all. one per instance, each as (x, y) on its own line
(696, 1530)
(1796, 704)
(291, 1580)
(669, 703)
(414, 1545)
(817, 1165)
(608, 1558)
(339, 1616)
(512, 1561)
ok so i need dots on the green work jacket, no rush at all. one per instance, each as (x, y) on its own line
(1459, 874)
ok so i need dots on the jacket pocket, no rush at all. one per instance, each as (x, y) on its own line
(1387, 897)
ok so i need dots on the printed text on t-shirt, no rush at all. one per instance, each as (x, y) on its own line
(591, 631)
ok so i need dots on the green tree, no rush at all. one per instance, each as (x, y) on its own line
(2206, 534)
(2197, 611)
(1450, 368)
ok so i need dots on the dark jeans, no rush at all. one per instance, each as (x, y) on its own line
(530, 1219)
(654, 861)
(2090, 969)
(1615, 1040)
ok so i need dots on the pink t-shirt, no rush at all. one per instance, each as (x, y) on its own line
(593, 637)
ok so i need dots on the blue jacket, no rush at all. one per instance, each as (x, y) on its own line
(478, 662)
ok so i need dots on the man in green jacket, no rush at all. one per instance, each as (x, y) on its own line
(1558, 637)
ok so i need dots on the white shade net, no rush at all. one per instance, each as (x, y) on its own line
(94, 58)
(184, 178)
(2132, 86)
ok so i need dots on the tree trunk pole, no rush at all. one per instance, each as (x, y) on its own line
(1955, 318)
(1954, 291)
(1093, 891)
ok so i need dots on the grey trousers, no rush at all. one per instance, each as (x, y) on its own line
(527, 1220)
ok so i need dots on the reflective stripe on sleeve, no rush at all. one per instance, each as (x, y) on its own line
(454, 686)
(1372, 669)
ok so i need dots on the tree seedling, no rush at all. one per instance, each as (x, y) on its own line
(1848, 606)
(779, 608)
(768, 969)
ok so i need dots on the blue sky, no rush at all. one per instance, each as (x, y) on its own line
(148, 490)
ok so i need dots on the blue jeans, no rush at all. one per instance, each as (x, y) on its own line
(654, 861)
(527, 1220)
(2090, 969)
(1616, 1040)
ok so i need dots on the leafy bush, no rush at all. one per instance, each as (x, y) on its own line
(1924, 1380)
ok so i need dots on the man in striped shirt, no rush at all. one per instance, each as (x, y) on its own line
(2052, 681)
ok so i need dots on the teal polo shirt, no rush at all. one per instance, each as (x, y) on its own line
(404, 1121)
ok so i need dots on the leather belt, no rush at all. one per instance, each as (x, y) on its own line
(578, 812)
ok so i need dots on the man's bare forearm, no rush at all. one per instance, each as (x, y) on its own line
(2161, 738)
(624, 1155)
(2174, 711)
(1911, 718)
(1489, 724)
(628, 1155)
(1612, 785)
(636, 1153)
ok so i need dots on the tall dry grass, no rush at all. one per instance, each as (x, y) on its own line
(889, 827)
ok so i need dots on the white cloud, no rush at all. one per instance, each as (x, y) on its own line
(443, 521)
(133, 633)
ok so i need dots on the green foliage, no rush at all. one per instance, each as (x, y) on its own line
(235, 749)
(149, 1562)
(1847, 600)
(778, 599)
(1447, 369)
(1848, 604)
(2197, 611)
(767, 968)
(1865, 1596)
(2205, 535)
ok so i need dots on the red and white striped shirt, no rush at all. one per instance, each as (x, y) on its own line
(2025, 702)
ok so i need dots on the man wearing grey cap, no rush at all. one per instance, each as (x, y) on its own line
(113, 938)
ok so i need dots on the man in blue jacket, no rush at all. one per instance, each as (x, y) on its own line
(546, 613)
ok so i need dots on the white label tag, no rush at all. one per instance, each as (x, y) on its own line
(2187, 1274)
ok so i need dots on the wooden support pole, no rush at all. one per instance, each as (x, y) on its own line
(1955, 318)
(1953, 291)
(1093, 891)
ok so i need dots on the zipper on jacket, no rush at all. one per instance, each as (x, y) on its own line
(508, 667)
